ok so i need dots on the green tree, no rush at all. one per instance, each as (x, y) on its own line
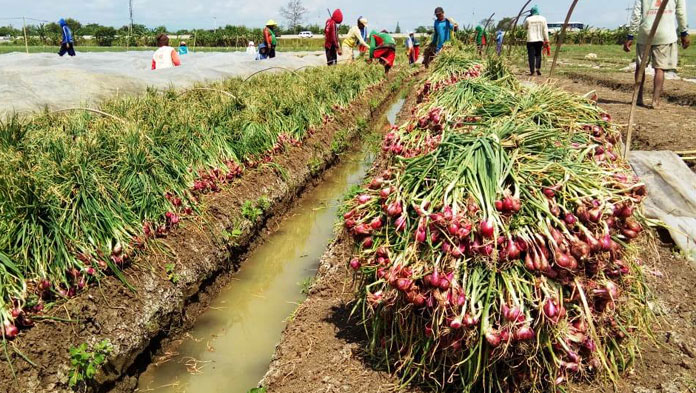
(421, 29)
(398, 28)
(505, 24)
(105, 35)
(343, 29)
(160, 30)
(10, 31)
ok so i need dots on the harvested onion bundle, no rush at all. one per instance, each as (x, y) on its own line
(493, 252)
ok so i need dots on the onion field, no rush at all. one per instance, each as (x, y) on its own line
(82, 192)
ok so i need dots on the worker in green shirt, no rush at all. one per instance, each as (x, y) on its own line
(383, 48)
(269, 41)
(481, 38)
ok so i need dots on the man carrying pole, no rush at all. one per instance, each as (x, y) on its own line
(332, 47)
(664, 49)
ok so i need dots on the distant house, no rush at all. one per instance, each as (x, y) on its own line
(572, 26)
(5, 38)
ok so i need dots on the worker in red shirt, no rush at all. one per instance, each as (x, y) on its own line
(269, 40)
(331, 44)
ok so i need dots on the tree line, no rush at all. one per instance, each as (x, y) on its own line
(141, 35)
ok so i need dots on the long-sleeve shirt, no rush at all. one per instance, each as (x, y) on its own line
(481, 36)
(537, 29)
(380, 41)
(354, 38)
(67, 35)
(331, 30)
(643, 18)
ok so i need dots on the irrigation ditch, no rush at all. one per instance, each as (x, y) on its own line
(177, 281)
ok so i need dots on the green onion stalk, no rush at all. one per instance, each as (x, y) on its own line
(81, 194)
(494, 252)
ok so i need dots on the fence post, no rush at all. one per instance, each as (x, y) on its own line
(641, 75)
(562, 36)
(26, 41)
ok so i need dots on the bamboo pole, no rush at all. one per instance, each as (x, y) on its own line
(485, 29)
(26, 41)
(641, 75)
(561, 38)
(513, 39)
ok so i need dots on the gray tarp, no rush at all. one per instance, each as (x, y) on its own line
(671, 194)
(29, 82)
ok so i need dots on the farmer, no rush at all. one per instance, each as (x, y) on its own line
(537, 39)
(67, 45)
(481, 38)
(165, 56)
(331, 45)
(356, 39)
(183, 49)
(268, 51)
(664, 48)
(383, 48)
(442, 33)
(412, 48)
(499, 37)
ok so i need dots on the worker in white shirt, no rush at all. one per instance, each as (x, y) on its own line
(664, 50)
(537, 39)
(356, 39)
(165, 56)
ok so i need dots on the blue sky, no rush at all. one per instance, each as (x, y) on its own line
(176, 14)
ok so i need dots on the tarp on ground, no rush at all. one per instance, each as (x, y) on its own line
(28, 82)
(671, 194)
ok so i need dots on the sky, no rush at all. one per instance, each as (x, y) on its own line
(382, 14)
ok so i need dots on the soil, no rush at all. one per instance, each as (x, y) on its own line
(202, 250)
(321, 349)
(671, 127)
(675, 91)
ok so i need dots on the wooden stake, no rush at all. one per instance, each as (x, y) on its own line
(641, 74)
(26, 41)
(485, 29)
(513, 40)
(561, 38)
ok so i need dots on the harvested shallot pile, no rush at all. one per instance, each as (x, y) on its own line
(494, 253)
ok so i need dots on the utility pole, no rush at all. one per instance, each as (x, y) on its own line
(26, 41)
(130, 27)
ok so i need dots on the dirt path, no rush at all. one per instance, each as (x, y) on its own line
(675, 91)
(672, 127)
(322, 347)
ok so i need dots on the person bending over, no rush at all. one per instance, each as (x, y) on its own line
(383, 49)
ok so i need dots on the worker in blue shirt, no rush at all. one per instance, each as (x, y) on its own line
(443, 29)
(183, 49)
(442, 33)
(67, 45)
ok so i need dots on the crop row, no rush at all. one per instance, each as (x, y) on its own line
(81, 193)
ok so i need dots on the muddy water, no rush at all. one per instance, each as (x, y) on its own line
(231, 344)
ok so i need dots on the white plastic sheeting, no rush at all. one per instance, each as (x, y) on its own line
(671, 194)
(29, 82)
